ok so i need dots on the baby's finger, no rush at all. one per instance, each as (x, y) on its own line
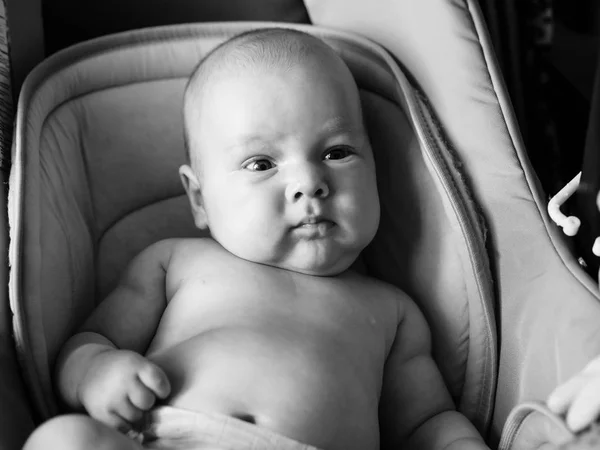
(141, 397)
(155, 379)
(585, 408)
(114, 420)
(128, 411)
(560, 399)
(122, 425)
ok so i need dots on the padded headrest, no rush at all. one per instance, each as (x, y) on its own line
(98, 143)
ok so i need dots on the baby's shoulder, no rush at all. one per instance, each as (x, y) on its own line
(380, 288)
(392, 299)
(185, 250)
(172, 252)
(406, 312)
(396, 311)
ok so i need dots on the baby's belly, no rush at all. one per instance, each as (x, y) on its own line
(300, 388)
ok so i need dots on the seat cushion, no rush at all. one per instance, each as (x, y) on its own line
(99, 141)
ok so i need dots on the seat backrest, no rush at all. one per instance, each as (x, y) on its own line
(98, 144)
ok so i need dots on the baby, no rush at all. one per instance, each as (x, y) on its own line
(262, 337)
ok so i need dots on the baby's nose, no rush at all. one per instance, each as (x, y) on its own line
(310, 184)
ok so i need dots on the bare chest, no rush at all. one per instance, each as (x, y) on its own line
(290, 351)
(344, 311)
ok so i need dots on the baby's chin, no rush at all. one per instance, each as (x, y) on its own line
(324, 263)
(316, 271)
(329, 270)
(328, 267)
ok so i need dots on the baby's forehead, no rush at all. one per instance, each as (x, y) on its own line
(261, 50)
(270, 51)
(231, 72)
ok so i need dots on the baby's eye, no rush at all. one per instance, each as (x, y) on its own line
(338, 153)
(259, 165)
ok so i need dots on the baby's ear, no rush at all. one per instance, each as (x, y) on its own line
(194, 193)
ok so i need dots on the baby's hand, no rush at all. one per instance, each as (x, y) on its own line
(120, 386)
(579, 397)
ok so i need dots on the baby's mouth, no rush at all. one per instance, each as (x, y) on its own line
(313, 220)
(314, 226)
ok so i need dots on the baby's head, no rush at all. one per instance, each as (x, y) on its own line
(280, 166)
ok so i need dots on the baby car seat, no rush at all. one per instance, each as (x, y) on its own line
(98, 141)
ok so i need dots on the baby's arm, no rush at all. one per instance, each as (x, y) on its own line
(579, 397)
(416, 409)
(101, 369)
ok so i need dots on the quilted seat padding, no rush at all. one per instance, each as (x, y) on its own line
(99, 140)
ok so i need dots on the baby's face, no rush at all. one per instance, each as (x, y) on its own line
(285, 168)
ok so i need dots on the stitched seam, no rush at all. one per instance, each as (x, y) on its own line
(465, 227)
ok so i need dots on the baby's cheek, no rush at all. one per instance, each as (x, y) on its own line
(364, 216)
(358, 205)
(251, 222)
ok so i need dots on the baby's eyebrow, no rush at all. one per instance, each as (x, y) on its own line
(339, 125)
(250, 139)
(253, 141)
